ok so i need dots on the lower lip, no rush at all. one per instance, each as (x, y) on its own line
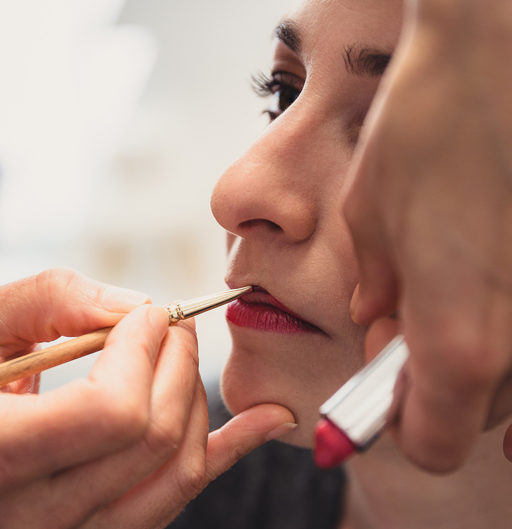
(265, 317)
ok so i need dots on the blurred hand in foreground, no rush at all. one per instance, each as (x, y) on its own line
(430, 210)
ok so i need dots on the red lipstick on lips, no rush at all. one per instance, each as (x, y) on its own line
(259, 310)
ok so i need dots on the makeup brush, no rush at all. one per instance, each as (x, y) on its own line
(38, 361)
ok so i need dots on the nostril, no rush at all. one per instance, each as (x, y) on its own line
(254, 223)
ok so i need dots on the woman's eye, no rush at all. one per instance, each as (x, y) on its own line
(285, 88)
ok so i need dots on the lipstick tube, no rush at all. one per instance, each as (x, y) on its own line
(356, 414)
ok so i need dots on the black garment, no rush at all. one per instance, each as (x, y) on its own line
(275, 487)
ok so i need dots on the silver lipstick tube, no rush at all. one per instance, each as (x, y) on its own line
(360, 408)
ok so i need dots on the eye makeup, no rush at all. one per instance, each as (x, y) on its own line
(284, 86)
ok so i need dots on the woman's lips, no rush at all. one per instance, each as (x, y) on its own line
(259, 310)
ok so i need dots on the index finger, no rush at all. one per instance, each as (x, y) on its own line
(57, 303)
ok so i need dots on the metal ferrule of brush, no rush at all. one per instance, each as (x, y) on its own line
(175, 313)
(181, 310)
(360, 407)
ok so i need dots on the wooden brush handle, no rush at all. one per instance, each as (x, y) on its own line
(38, 361)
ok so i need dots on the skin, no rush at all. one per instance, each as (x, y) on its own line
(281, 204)
(131, 440)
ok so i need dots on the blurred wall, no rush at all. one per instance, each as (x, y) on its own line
(117, 119)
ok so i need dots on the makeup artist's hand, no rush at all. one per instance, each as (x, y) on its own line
(430, 210)
(126, 447)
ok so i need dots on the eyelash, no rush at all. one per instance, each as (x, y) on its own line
(282, 85)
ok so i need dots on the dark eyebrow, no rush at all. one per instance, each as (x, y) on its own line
(366, 61)
(359, 60)
(287, 32)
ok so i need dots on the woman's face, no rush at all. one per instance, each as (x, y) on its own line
(293, 340)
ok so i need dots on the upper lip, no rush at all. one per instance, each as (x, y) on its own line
(260, 295)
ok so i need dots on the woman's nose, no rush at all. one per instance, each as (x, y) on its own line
(270, 191)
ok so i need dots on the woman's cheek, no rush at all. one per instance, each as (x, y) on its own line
(300, 377)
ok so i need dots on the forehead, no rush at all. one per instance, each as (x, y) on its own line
(335, 23)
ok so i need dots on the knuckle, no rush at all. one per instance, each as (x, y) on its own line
(474, 360)
(191, 478)
(464, 354)
(53, 285)
(163, 440)
(167, 431)
(434, 453)
(55, 280)
(437, 460)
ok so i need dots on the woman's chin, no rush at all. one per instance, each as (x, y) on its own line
(238, 397)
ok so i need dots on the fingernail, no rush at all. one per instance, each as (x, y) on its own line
(122, 299)
(158, 316)
(354, 302)
(281, 430)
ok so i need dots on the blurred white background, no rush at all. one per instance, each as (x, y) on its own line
(116, 119)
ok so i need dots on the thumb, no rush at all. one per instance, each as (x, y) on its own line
(243, 433)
